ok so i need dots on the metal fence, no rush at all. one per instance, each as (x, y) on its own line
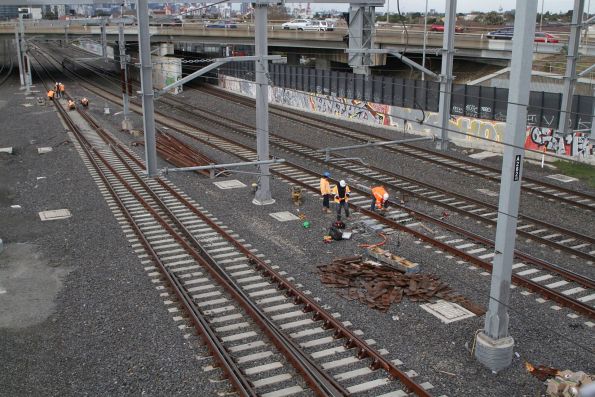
(467, 100)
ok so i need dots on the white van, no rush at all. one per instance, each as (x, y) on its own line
(321, 26)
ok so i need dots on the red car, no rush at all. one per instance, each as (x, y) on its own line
(440, 28)
(541, 37)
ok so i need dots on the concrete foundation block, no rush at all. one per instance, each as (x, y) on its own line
(496, 354)
(126, 125)
(263, 202)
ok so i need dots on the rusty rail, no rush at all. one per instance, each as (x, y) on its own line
(286, 112)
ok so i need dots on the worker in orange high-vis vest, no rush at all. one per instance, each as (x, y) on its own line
(380, 198)
(325, 191)
(61, 89)
(51, 94)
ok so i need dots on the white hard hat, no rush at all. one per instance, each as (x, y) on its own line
(385, 197)
(342, 183)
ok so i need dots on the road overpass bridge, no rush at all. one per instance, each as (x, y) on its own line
(331, 45)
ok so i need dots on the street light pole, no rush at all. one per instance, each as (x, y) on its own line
(541, 17)
(423, 55)
(263, 194)
(146, 79)
(387, 11)
(494, 345)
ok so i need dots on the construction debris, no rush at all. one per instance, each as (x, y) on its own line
(393, 260)
(379, 286)
(541, 372)
(297, 195)
(180, 154)
(560, 383)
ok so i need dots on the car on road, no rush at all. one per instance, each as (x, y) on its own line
(507, 33)
(222, 25)
(501, 34)
(542, 37)
(440, 28)
(294, 24)
(321, 26)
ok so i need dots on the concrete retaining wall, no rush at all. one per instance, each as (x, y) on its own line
(465, 131)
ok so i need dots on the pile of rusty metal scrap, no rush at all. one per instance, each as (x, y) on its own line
(180, 154)
(379, 286)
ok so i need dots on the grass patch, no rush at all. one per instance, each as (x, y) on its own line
(581, 171)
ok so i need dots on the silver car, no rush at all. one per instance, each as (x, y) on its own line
(321, 26)
(298, 24)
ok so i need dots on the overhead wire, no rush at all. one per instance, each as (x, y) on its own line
(516, 311)
(416, 121)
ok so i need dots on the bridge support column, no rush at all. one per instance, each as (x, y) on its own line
(361, 36)
(494, 346)
(446, 73)
(19, 56)
(146, 80)
(104, 38)
(263, 194)
(26, 67)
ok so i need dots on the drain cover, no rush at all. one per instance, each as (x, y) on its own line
(447, 312)
(562, 178)
(232, 184)
(54, 214)
(284, 216)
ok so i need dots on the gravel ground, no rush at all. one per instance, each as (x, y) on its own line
(543, 335)
(410, 167)
(529, 246)
(102, 329)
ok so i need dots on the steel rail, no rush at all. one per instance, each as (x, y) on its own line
(214, 345)
(332, 127)
(320, 382)
(560, 298)
(533, 286)
(522, 233)
(353, 341)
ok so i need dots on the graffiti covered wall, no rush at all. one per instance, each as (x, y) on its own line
(547, 140)
(465, 131)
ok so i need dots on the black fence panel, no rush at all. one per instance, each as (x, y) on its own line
(551, 110)
(433, 96)
(582, 115)
(398, 92)
(471, 101)
(369, 88)
(535, 109)
(457, 104)
(387, 90)
(487, 99)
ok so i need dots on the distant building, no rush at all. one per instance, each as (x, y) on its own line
(470, 17)
(8, 12)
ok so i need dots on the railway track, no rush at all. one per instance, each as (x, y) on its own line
(577, 245)
(6, 69)
(552, 282)
(529, 185)
(574, 243)
(239, 304)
